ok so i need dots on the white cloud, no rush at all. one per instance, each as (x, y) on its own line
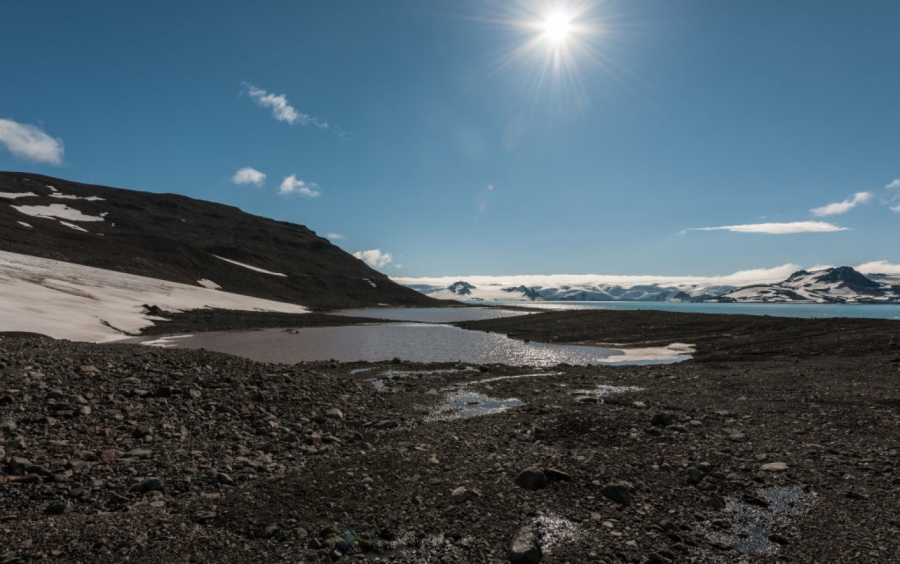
(843, 207)
(291, 185)
(776, 228)
(740, 278)
(879, 267)
(896, 208)
(248, 175)
(374, 258)
(281, 109)
(29, 142)
(894, 184)
(335, 236)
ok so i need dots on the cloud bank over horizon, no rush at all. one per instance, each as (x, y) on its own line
(740, 278)
(30, 142)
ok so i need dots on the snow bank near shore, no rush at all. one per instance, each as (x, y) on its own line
(81, 303)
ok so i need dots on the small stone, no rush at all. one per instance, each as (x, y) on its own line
(694, 476)
(148, 485)
(390, 424)
(334, 413)
(459, 495)
(677, 428)
(524, 547)
(619, 493)
(8, 425)
(662, 419)
(203, 517)
(531, 479)
(17, 465)
(223, 478)
(140, 453)
(774, 467)
(110, 455)
(143, 431)
(59, 508)
(778, 539)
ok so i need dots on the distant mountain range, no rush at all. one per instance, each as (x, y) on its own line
(831, 285)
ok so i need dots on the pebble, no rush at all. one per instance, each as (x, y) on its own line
(532, 479)
(619, 493)
(774, 467)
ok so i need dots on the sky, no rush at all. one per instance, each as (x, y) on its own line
(461, 137)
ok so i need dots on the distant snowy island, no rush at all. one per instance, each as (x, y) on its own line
(833, 285)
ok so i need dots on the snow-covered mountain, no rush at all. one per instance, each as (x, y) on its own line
(825, 285)
(585, 292)
(831, 285)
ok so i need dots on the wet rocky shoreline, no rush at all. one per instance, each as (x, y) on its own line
(778, 443)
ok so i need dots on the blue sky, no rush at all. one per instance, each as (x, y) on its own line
(438, 134)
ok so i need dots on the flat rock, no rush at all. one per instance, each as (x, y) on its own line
(774, 467)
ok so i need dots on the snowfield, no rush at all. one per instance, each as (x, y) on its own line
(81, 303)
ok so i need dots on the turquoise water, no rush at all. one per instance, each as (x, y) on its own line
(887, 311)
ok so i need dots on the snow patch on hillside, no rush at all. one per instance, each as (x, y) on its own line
(56, 211)
(14, 195)
(254, 268)
(71, 301)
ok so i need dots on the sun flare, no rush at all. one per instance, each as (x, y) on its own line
(557, 27)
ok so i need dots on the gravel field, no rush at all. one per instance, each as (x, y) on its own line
(779, 443)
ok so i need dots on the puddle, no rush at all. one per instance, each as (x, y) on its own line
(390, 375)
(751, 526)
(463, 404)
(596, 395)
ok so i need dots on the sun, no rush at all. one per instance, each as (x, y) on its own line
(557, 27)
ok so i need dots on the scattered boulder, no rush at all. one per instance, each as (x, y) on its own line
(532, 479)
(619, 493)
(148, 485)
(662, 419)
(524, 547)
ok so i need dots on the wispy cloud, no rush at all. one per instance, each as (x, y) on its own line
(843, 207)
(894, 184)
(248, 175)
(374, 258)
(776, 228)
(281, 109)
(335, 236)
(896, 208)
(29, 142)
(292, 185)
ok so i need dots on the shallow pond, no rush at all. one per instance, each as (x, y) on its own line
(409, 341)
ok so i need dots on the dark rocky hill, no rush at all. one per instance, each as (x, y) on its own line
(180, 239)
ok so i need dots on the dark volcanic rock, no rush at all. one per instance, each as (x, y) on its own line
(619, 493)
(531, 479)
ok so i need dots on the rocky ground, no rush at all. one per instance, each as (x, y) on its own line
(778, 444)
